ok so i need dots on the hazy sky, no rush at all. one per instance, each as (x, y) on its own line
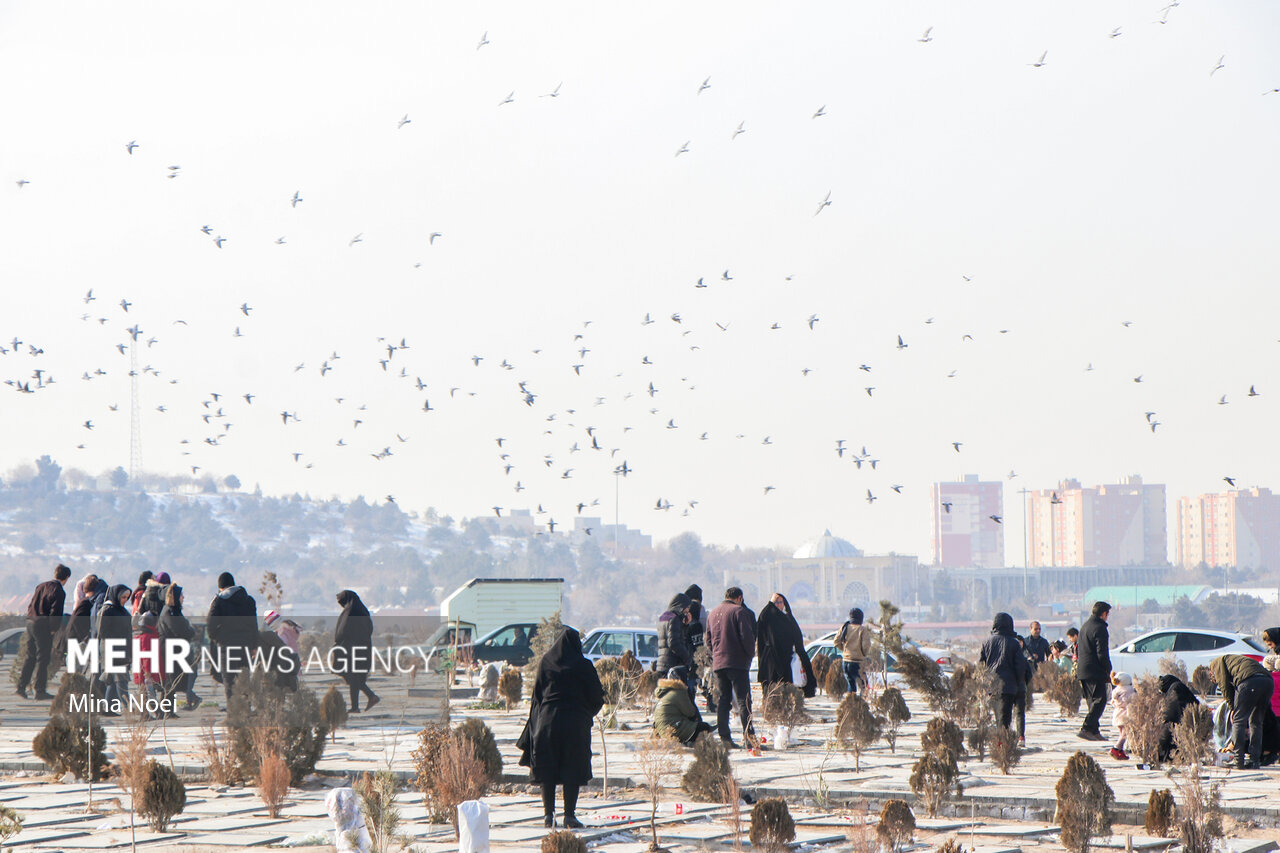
(1119, 182)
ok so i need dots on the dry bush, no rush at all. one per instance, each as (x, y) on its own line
(784, 705)
(131, 755)
(432, 741)
(162, 796)
(893, 708)
(1172, 665)
(542, 639)
(1161, 813)
(1005, 752)
(1146, 721)
(973, 692)
(614, 681)
(459, 776)
(646, 688)
(562, 841)
(707, 778)
(861, 837)
(941, 733)
(1201, 814)
(10, 823)
(1191, 736)
(1064, 688)
(273, 770)
(64, 745)
(856, 727)
(1084, 803)
(772, 828)
(378, 795)
(951, 845)
(820, 663)
(923, 675)
(1202, 681)
(217, 757)
(933, 775)
(658, 759)
(480, 738)
(630, 665)
(511, 687)
(897, 825)
(834, 683)
(257, 702)
(333, 710)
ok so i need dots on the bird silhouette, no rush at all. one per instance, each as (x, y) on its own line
(926, 38)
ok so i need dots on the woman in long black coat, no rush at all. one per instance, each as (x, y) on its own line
(353, 648)
(778, 638)
(556, 743)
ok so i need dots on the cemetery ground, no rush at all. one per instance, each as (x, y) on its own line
(834, 806)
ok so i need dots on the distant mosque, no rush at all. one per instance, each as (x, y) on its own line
(829, 575)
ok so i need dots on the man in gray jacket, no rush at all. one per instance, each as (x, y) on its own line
(731, 638)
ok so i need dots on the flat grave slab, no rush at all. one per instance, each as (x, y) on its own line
(1014, 831)
(242, 838)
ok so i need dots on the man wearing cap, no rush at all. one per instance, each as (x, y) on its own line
(232, 628)
(44, 617)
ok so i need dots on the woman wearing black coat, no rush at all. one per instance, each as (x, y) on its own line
(556, 742)
(81, 626)
(173, 624)
(353, 648)
(778, 639)
(114, 624)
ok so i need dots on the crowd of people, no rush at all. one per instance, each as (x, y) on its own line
(152, 611)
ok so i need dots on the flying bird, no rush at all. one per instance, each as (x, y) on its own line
(947, 506)
(901, 343)
(1252, 393)
(826, 202)
(684, 149)
(957, 445)
(509, 99)
(926, 38)
(297, 197)
(402, 122)
(740, 129)
(1039, 63)
(1219, 66)
(359, 238)
(822, 110)
(484, 39)
(554, 93)
(706, 84)
(133, 143)
(1231, 481)
(870, 497)
(997, 519)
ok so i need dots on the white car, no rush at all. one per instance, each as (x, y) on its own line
(612, 642)
(1193, 646)
(940, 656)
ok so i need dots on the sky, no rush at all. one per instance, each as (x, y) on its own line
(1016, 222)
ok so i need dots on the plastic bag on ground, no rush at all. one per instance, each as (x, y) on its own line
(473, 827)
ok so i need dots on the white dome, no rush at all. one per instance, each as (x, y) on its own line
(825, 547)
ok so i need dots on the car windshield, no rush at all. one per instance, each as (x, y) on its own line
(1254, 644)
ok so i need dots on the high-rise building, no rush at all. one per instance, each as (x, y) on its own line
(1240, 527)
(964, 534)
(1122, 524)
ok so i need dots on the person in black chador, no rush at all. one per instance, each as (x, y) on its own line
(353, 648)
(778, 640)
(556, 742)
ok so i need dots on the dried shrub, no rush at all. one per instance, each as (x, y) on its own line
(923, 675)
(941, 733)
(658, 759)
(784, 705)
(562, 841)
(1146, 722)
(1084, 803)
(378, 795)
(257, 702)
(820, 663)
(333, 710)
(1005, 752)
(1064, 688)
(1191, 736)
(630, 665)
(162, 796)
(951, 845)
(893, 708)
(646, 687)
(897, 825)
(972, 692)
(979, 738)
(706, 668)
(217, 757)
(511, 687)
(934, 775)
(835, 684)
(613, 678)
(66, 745)
(856, 727)
(772, 828)
(1201, 810)
(1161, 813)
(707, 778)
(1202, 681)
(1169, 664)
(131, 759)
(860, 836)
(459, 777)
(73, 684)
(432, 741)
(479, 737)
(10, 823)
(548, 630)
(273, 774)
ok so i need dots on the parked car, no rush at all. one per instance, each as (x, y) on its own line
(937, 654)
(508, 644)
(1193, 646)
(10, 640)
(612, 642)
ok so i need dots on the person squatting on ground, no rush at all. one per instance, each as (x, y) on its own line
(731, 638)
(675, 714)
(232, 628)
(1093, 668)
(780, 651)
(1177, 698)
(353, 644)
(44, 619)
(854, 643)
(1002, 654)
(556, 742)
(1246, 689)
(1122, 693)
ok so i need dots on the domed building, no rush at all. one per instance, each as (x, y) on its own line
(828, 575)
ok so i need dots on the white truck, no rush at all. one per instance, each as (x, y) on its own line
(494, 619)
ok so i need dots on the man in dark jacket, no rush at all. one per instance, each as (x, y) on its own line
(232, 628)
(1093, 668)
(1246, 688)
(44, 618)
(1002, 654)
(731, 638)
(694, 629)
(673, 640)
(1037, 647)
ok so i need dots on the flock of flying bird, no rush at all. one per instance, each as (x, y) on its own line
(604, 451)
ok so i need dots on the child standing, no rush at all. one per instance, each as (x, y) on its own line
(1122, 694)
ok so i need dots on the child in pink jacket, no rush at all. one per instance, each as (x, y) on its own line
(1122, 694)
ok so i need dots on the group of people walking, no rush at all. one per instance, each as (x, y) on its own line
(148, 614)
